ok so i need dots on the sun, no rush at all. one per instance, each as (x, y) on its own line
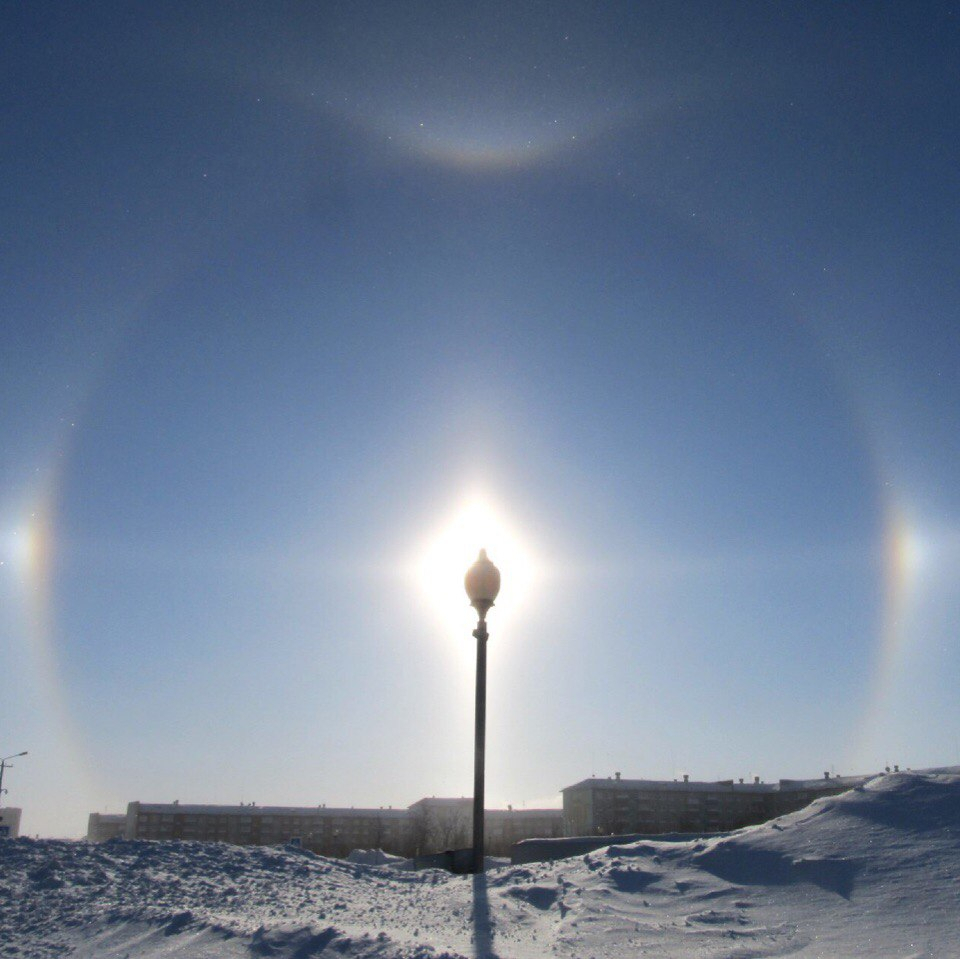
(447, 553)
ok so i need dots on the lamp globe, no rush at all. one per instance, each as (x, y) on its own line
(482, 584)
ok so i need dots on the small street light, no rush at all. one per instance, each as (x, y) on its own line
(3, 766)
(482, 584)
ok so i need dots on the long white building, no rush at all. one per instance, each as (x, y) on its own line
(429, 825)
(592, 807)
(618, 806)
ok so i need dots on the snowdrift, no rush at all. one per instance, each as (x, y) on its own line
(874, 872)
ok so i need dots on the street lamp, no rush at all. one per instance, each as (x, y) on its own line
(3, 766)
(482, 584)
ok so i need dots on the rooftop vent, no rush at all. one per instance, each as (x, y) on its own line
(756, 780)
(616, 776)
(686, 777)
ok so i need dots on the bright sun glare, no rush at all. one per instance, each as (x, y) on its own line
(455, 545)
(22, 547)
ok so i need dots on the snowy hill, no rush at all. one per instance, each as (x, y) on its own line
(874, 872)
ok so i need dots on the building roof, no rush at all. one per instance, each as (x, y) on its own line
(668, 785)
(185, 809)
(495, 814)
(442, 802)
(726, 785)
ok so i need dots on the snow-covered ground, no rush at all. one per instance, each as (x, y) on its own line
(872, 873)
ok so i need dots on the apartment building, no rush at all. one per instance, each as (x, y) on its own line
(618, 806)
(429, 825)
(439, 824)
(330, 831)
(104, 826)
(593, 807)
(9, 822)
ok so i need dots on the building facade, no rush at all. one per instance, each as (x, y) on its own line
(429, 825)
(439, 824)
(104, 826)
(503, 828)
(601, 807)
(330, 831)
(9, 822)
(593, 807)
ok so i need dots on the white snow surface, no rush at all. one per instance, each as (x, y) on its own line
(874, 872)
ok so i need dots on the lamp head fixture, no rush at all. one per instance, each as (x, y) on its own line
(482, 584)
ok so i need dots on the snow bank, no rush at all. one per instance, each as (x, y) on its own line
(873, 872)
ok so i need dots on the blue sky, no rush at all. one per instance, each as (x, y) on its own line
(285, 287)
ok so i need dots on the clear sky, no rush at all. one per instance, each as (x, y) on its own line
(304, 303)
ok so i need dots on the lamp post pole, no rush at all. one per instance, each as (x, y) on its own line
(3, 766)
(479, 744)
(482, 584)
